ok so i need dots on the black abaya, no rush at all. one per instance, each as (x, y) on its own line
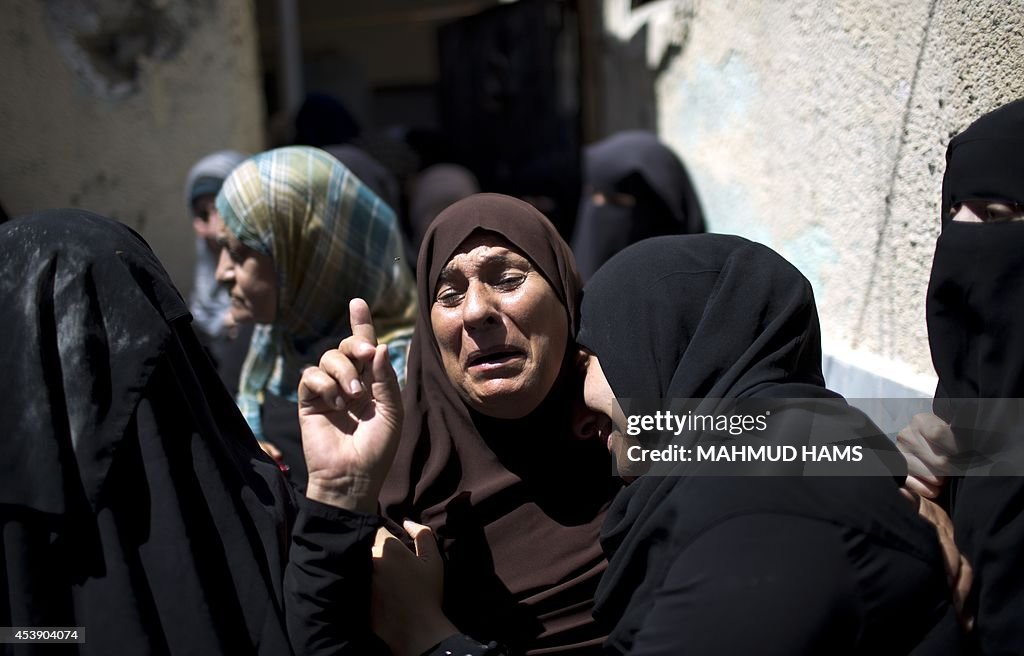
(975, 322)
(134, 500)
(747, 564)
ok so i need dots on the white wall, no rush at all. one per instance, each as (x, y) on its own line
(819, 127)
(80, 128)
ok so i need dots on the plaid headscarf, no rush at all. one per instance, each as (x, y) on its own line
(331, 240)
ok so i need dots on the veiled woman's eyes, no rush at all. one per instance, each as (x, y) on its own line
(991, 212)
(1001, 213)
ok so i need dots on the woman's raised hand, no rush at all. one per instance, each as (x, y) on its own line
(350, 413)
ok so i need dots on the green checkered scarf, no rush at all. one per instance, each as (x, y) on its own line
(331, 240)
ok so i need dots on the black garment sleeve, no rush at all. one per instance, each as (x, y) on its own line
(791, 586)
(786, 585)
(740, 590)
(327, 581)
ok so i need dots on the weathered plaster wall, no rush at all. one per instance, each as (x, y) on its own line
(107, 104)
(819, 127)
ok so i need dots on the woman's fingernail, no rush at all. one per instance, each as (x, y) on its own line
(339, 403)
(356, 387)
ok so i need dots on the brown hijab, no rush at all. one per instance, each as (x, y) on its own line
(517, 505)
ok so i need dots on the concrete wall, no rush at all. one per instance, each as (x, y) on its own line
(819, 127)
(107, 104)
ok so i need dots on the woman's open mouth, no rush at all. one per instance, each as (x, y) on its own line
(494, 358)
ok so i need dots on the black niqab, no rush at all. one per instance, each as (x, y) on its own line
(635, 163)
(135, 501)
(975, 311)
(370, 172)
(323, 120)
(985, 161)
(975, 297)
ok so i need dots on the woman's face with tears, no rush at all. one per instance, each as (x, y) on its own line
(500, 328)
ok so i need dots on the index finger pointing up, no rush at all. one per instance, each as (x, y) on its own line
(361, 321)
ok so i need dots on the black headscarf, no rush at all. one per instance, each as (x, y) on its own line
(637, 164)
(133, 499)
(715, 316)
(517, 504)
(322, 121)
(371, 172)
(975, 295)
(975, 325)
(984, 162)
(436, 188)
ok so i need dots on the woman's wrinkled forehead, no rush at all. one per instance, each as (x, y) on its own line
(495, 244)
(515, 223)
(448, 238)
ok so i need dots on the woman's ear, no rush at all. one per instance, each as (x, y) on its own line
(584, 420)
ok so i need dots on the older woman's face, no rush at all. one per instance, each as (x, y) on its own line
(251, 279)
(500, 327)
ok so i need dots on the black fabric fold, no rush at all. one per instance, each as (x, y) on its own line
(664, 199)
(134, 499)
(76, 317)
(329, 577)
(975, 311)
(717, 317)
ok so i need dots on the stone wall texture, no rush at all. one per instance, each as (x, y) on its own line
(819, 127)
(107, 104)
